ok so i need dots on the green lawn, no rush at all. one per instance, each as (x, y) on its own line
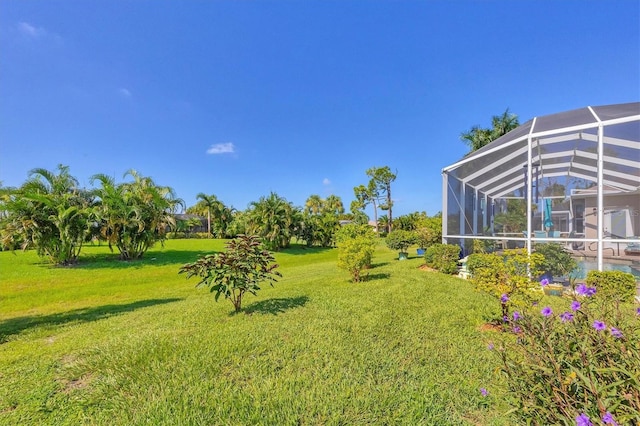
(108, 342)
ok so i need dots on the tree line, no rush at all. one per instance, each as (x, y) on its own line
(52, 214)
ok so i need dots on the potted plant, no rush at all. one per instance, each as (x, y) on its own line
(400, 240)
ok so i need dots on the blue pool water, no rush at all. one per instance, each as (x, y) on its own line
(584, 266)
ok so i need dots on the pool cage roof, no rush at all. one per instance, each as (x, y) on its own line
(596, 144)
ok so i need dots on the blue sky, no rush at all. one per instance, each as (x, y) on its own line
(241, 98)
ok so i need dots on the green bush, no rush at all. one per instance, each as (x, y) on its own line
(400, 240)
(355, 254)
(354, 230)
(556, 260)
(443, 257)
(356, 244)
(612, 286)
(577, 365)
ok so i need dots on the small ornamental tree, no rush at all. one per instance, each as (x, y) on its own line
(235, 272)
(400, 240)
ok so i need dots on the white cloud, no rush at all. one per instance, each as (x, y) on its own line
(221, 148)
(34, 33)
(31, 31)
(125, 93)
(326, 181)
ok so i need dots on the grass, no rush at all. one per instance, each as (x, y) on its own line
(111, 342)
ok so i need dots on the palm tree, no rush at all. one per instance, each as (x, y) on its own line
(333, 204)
(477, 137)
(210, 202)
(274, 219)
(314, 204)
(49, 213)
(135, 215)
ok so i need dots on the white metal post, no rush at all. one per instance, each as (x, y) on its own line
(600, 195)
(445, 213)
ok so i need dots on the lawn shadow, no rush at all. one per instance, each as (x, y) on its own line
(298, 249)
(276, 306)
(378, 265)
(380, 276)
(160, 258)
(17, 325)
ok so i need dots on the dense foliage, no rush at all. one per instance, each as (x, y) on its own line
(614, 286)
(320, 220)
(238, 270)
(443, 257)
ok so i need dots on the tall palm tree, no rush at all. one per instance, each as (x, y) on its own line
(210, 202)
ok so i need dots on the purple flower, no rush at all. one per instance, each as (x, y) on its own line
(544, 282)
(615, 332)
(484, 392)
(566, 316)
(590, 291)
(637, 311)
(504, 298)
(608, 419)
(546, 311)
(583, 420)
(581, 289)
(575, 305)
(505, 318)
(599, 325)
(490, 346)
(517, 329)
(516, 315)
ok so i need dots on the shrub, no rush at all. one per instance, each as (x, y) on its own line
(355, 254)
(400, 240)
(505, 276)
(612, 286)
(235, 272)
(443, 257)
(556, 260)
(354, 230)
(356, 244)
(575, 365)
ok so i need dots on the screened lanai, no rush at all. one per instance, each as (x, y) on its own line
(572, 178)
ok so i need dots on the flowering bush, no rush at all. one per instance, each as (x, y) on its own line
(576, 365)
